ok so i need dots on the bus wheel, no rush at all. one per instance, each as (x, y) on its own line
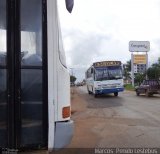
(89, 92)
(116, 94)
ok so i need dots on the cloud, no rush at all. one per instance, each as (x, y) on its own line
(101, 30)
(155, 51)
(85, 47)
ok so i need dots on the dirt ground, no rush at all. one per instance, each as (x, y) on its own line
(84, 137)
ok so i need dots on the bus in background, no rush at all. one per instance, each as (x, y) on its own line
(34, 81)
(104, 78)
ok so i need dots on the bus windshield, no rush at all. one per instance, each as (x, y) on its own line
(108, 73)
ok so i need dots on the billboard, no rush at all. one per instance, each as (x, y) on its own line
(139, 46)
(139, 59)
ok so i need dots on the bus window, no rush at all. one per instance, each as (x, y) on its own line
(115, 72)
(101, 74)
(31, 73)
(3, 74)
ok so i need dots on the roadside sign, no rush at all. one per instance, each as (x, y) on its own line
(139, 46)
(139, 59)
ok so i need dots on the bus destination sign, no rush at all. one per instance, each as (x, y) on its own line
(107, 63)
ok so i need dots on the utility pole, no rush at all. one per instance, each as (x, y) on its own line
(146, 65)
(132, 69)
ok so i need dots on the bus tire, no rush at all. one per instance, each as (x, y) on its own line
(116, 94)
(89, 92)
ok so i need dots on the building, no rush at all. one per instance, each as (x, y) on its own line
(140, 68)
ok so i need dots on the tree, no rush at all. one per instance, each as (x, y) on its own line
(154, 71)
(127, 70)
(128, 66)
(126, 74)
(159, 61)
(139, 77)
(72, 78)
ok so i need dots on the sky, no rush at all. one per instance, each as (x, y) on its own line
(99, 30)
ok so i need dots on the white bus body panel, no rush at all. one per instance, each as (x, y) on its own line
(105, 86)
(58, 82)
(90, 83)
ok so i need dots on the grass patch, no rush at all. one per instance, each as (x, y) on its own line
(129, 87)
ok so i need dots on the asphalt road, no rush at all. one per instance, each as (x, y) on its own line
(108, 121)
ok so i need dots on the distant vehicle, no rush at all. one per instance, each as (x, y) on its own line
(105, 77)
(148, 87)
(72, 84)
(80, 84)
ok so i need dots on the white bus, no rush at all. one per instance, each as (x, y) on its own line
(34, 81)
(105, 77)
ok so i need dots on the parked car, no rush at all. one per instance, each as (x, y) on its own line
(148, 87)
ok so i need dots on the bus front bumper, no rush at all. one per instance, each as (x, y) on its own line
(63, 133)
(108, 91)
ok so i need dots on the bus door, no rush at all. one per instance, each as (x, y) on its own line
(23, 74)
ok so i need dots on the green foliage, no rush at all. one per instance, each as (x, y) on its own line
(127, 69)
(129, 87)
(154, 71)
(72, 79)
(128, 66)
(139, 77)
(126, 74)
